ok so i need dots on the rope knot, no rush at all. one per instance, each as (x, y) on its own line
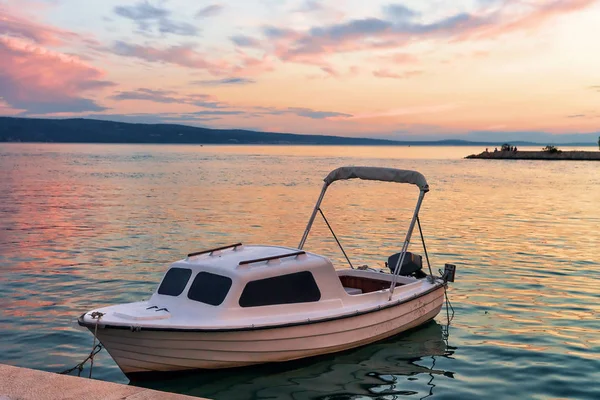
(96, 315)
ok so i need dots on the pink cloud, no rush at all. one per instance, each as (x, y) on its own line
(331, 72)
(315, 45)
(182, 55)
(169, 97)
(185, 55)
(401, 58)
(386, 73)
(480, 54)
(38, 80)
(15, 26)
(407, 111)
(540, 13)
(248, 65)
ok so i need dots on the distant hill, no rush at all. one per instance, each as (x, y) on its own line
(78, 130)
(98, 131)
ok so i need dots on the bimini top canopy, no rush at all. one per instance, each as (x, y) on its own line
(378, 174)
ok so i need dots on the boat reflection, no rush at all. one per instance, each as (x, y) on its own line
(404, 365)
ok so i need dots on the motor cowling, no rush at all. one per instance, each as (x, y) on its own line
(412, 264)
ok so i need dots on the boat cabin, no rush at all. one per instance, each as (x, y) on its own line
(250, 279)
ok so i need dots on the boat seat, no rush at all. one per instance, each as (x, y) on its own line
(352, 291)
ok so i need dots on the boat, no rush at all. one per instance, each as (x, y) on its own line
(241, 305)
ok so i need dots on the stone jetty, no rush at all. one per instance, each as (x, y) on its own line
(537, 155)
(28, 384)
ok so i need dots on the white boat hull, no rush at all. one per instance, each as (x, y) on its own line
(178, 350)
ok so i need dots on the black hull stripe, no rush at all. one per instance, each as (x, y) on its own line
(256, 328)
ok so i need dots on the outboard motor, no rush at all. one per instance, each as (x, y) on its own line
(411, 266)
(449, 272)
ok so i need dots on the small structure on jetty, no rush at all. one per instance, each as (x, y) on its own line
(537, 155)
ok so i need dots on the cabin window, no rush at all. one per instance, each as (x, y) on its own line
(299, 287)
(209, 288)
(175, 281)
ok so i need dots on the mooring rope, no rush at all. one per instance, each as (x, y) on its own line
(449, 318)
(96, 348)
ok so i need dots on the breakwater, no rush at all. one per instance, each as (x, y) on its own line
(537, 155)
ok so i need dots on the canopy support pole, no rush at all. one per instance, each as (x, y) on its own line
(406, 243)
(335, 237)
(312, 217)
(425, 250)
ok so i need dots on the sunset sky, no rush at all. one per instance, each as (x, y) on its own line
(413, 68)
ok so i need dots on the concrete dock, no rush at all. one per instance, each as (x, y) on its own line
(27, 384)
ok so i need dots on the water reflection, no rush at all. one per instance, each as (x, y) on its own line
(89, 225)
(400, 366)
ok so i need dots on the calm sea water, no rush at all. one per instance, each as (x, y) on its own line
(89, 225)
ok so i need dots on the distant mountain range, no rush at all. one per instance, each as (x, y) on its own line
(79, 130)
